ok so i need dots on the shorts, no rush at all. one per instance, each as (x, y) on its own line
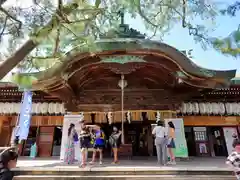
(115, 145)
(84, 143)
(98, 146)
(171, 144)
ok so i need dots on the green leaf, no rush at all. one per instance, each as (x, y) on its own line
(97, 3)
(24, 81)
(45, 62)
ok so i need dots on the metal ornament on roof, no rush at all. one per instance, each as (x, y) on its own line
(123, 30)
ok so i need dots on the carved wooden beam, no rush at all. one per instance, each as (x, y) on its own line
(117, 107)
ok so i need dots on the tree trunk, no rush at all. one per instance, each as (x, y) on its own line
(30, 45)
(11, 62)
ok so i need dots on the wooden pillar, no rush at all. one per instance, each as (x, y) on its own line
(150, 141)
(1, 126)
(5, 130)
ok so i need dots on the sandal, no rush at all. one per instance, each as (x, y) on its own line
(82, 165)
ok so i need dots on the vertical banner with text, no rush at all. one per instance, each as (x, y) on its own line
(228, 132)
(25, 116)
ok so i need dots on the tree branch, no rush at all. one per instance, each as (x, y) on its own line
(3, 29)
(2, 2)
(57, 42)
(30, 45)
(13, 18)
(184, 13)
(138, 4)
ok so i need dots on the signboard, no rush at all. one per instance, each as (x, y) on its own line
(181, 149)
(68, 119)
(25, 116)
(228, 132)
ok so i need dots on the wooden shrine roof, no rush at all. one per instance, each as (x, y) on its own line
(158, 75)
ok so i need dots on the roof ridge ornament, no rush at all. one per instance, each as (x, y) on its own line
(122, 15)
(123, 30)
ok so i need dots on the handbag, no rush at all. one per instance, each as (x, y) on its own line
(169, 142)
(75, 137)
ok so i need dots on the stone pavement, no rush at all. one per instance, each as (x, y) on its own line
(139, 168)
(138, 163)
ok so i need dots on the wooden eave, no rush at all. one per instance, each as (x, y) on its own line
(159, 68)
(119, 46)
(12, 94)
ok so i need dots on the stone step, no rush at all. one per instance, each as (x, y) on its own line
(126, 177)
(116, 172)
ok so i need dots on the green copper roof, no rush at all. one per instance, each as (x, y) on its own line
(125, 45)
(122, 59)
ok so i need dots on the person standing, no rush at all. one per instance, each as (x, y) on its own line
(171, 143)
(8, 160)
(159, 133)
(233, 159)
(33, 150)
(69, 156)
(114, 141)
(84, 138)
(99, 143)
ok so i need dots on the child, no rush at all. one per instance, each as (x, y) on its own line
(234, 159)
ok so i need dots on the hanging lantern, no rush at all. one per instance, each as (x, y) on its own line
(129, 117)
(109, 115)
(222, 108)
(158, 117)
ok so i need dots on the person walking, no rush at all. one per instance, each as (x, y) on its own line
(69, 156)
(171, 143)
(8, 160)
(114, 141)
(98, 144)
(160, 134)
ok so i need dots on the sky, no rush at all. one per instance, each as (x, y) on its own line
(210, 58)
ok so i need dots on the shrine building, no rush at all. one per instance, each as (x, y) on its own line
(159, 82)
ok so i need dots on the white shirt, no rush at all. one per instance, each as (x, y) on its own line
(159, 131)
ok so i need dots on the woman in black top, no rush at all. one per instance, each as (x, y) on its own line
(114, 141)
(84, 139)
(8, 160)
